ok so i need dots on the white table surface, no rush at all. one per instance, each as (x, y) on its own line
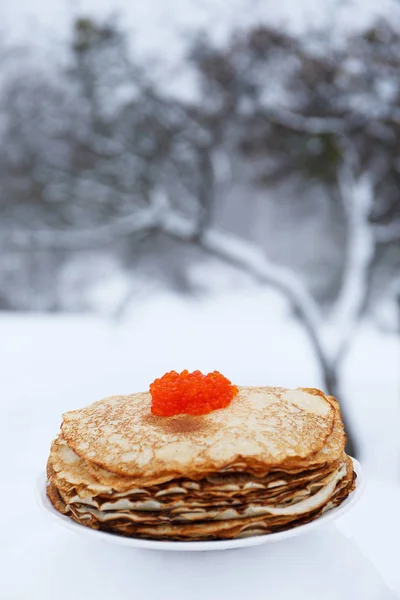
(357, 559)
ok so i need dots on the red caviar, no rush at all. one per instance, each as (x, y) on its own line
(190, 393)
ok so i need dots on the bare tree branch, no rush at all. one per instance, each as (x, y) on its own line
(80, 239)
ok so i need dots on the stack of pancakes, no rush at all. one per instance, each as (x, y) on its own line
(273, 459)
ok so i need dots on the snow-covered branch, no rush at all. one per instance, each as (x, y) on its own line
(225, 246)
(245, 255)
(83, 238)
(357, 196)
(248, 257)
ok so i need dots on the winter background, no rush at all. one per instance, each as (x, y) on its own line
(200, 185)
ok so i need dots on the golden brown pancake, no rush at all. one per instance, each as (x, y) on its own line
(208, 529)
(273, 459)
(261, 428)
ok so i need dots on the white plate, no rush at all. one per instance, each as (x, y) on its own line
(200, 546)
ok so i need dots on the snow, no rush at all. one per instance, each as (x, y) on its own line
(372, 383)
(82, 282)
(378, 537)
(358, 199)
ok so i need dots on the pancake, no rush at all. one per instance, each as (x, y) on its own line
(294, 504)
(153, 498)
(222, 529)
(273, 459)
(260, 429)
(71, 474)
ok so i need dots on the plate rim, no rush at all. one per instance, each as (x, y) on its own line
(198, 546)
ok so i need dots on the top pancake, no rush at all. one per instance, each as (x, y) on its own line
(262, 428)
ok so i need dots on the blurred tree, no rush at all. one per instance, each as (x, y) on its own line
(90, 145)
(330, 116)
(100, 156)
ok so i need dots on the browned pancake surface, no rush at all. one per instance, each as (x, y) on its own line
(261, 428)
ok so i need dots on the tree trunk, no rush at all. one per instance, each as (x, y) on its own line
(332, 388)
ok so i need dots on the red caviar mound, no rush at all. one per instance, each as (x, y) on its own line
(190, 393)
